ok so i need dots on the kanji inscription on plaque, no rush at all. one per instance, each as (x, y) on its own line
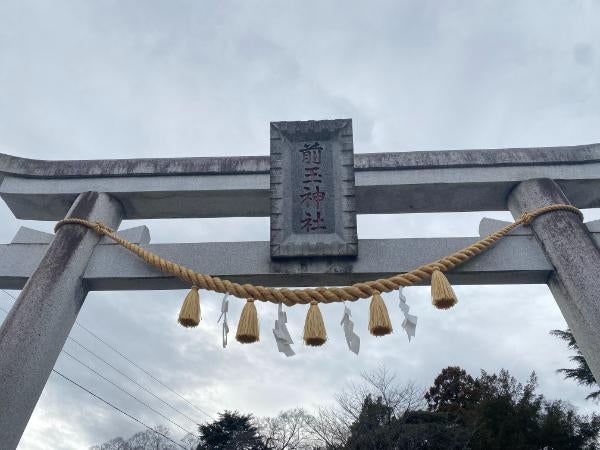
(312, 189)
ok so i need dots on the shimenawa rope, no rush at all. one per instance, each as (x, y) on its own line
(319, 294)
(443, 296)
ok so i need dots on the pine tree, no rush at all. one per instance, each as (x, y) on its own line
(581, 373)
(231, 431)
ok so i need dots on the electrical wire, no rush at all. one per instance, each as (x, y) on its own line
(112, 405)
(130, 379)
(133, 363)
(91, 369)
(116, 407)
(143, 370)
(95, 355)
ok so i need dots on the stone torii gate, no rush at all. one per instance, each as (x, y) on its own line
(55, 272)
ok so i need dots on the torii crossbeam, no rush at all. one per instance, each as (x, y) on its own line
(55, 272)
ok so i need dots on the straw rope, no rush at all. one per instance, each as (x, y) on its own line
(320, 294)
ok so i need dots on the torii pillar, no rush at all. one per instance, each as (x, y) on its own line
(33, 334)
(568, 245)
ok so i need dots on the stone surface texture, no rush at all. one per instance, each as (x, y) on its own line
(575, 256)
(35, 330)
(386, 183)
(310, 159)
(516, 259)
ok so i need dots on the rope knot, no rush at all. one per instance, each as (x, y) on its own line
(526, 218)
(98, 227)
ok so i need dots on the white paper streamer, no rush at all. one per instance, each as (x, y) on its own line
(410, 322)
(403, 306)
(281, 333)
(224, 311)
(352, 339)
(410, 325)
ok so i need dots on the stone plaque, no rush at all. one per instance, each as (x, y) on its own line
(312, 189)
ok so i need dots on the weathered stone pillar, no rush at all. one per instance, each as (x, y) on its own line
(570, 248)
(37, 326)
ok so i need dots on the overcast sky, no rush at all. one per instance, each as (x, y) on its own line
(127, 79)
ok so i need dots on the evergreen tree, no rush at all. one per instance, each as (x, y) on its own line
(231, 431)
(501, 413)
(453, 390)
(370, 431)
(426, 430)
(581, 373)
(378, 429)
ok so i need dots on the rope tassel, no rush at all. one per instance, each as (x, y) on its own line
(248, 330)
(189, 315)
(379, 319)
(442, 294)
(314, 327)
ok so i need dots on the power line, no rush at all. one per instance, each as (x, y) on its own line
(143, 370)
(91, 369)
(116, 408)
(130, 379)
(72, 339)
(121, 389)
(133, 363)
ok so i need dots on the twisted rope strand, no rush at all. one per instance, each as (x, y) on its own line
(291, 297)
